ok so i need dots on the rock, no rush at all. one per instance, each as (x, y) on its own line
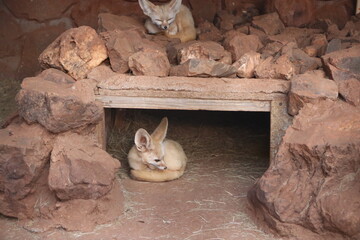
(9, 43)
(292, 13)
(278, 68)
(338, 12)
(150, 62)
(203, 50)
(333, 46)
(25, 151)
(344, 64)
(269, 23)
(110, 22)
(79, 169)
(350, 90)
(56, 76)
(202, 68)
(226, 21)
(271, 49)
(39, 10)
(310, 88)
(300, 59)
(310, 190)
(122, 44)
(100, 73)
(261, 34)
(208, 32)
(58, 107)
(246, 64)
(201, 13)
(238, 45)
(318, 46)
(76, 51)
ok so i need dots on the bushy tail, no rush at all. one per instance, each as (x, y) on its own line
(156, 175)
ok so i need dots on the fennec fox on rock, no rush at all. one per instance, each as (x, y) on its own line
(173, 18)
(154, 158)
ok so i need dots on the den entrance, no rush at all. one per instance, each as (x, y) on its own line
(227, 152)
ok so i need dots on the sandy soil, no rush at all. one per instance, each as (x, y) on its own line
(227, 152)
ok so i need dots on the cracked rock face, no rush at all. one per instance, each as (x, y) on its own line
(313, 184)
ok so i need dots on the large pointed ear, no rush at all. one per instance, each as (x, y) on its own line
(175, 6)
(142, 140)
(160, 132)
(146, 6)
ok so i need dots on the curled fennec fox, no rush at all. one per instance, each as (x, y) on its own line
(173, 18)
(154, 158)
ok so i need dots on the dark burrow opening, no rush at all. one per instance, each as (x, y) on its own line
(227, 152)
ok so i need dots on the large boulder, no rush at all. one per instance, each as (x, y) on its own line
(25, 152)
(58, 107)
(310, 87)
(311, 189)
(79, 169)
(76, 51)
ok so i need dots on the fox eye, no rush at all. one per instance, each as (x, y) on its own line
(157, 160)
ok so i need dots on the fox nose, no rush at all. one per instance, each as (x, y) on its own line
(165, 167)
(165, 27)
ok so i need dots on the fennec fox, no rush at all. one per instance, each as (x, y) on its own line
(173, 18)
(154, 158)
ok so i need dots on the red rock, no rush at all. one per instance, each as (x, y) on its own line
(9, 43)
(202, 68)
(338, 12)
(239, 45)
(76, 51)
(122, 44)
(269, 23)
(310, 190)
(292, 13)
(310, 88)
(279, 68)
(261, 34)
(25, 151)
(301, 36)
(203, 50)
(334, 45)
(226, 21)
(208, 32)
(56, 76)
(79, 169)
(318, 46)
(271, 49)
(350, 90)
(344, 64)
(201, 13)
(100, 73)
(58, 106)
(110, 22)
(150, 62)
(246, 64)
(39, 10)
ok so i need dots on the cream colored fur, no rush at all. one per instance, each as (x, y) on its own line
(154, 158)
(173, 18)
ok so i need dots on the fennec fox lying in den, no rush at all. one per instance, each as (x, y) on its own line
(154, 158)
(173, 18)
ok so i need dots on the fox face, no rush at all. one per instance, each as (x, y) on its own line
(150, 147)
(162, 16)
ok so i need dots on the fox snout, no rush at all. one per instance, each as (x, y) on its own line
(159, 164)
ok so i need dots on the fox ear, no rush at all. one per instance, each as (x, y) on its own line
(142, 140)
(160, 132)
(175, 6)
(146, 6)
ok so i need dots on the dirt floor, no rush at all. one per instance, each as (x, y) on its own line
(227, 152)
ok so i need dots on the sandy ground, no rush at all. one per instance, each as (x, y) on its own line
(227, 152)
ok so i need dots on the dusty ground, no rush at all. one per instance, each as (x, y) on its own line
(227, 152)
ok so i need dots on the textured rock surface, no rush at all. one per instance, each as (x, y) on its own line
(56, 76)
(310, 87)
(110, 22)
(350, 91)
(202, 68)
(58, 106)
(292, 13)
(25, 151)
(150, 62)
(203, 50)
(269, 23)
(76, 51)
(239, 44)
(246, 64)
(79, 169)
(311, 188)
(278, 68)
(208, 32)
(344, 64)
(122, 44)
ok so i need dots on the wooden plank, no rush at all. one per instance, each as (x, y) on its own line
(183, 104)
